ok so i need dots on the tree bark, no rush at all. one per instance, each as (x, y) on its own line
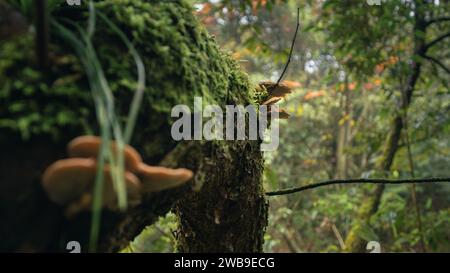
(229, 214)
(182, 61)
(353, 242)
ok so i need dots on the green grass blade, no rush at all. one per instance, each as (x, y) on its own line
(137, 98)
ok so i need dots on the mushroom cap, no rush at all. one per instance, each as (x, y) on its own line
(67, 179)
(271, 101)
(70, 181)
(89, 146)
(156, 179)
(276, 90)
(109, 197)
(133, 185)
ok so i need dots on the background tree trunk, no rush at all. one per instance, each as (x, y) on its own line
(353, 242)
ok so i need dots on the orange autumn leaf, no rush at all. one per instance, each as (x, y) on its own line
(352, 86)
(309, 162)
(256, 4)
(236, 55)
(393, 60)
(368, 86)
(313, 94)
(379, 68)
(209, 20)
(292, 84)
(206, 8)
(240, 53)
(377, 82)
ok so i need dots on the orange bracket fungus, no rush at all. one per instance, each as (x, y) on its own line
(276, 92)
(89, 146)
(272, 101)
(161, 178)
(65, 180)
(69, 182)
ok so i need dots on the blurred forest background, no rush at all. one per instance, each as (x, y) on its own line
(362, 108)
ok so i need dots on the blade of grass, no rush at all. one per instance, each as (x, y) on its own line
(137, 98)
(92, 20)
(99, 181)
(117, 162)
(103, 106)
(107, 118)
(117, 156)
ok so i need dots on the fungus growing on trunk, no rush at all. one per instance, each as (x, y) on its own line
(276, 90)
(89, 146)
(67, 179)
(160, 178)
(109, 197)
(70, 182)
(271, 101)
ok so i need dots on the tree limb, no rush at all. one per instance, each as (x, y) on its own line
(437, 40)
(438, 20)
(439, 63)
(358, 181)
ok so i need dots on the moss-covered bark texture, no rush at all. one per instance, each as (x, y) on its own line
(40, 113)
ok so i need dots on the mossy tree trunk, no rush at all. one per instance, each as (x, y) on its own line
(43, 112)
(229, 214)
(354, 242)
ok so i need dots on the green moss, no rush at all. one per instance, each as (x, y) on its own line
(31, 105)
(181, 60)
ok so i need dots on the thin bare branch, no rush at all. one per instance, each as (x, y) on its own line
(439, 63)
(437, 40)
(292, 47)
(437, 20)
(359, 181)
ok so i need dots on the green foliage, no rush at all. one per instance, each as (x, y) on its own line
(381, 31)
(341, 44)
(374, 58)
(158, 238)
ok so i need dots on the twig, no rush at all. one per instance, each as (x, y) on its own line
(437, 20)
(437, 40)
(292, 47)
(439, 63)
(358, 181)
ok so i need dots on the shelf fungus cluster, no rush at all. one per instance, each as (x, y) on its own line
(70, 182)
(276, 92)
